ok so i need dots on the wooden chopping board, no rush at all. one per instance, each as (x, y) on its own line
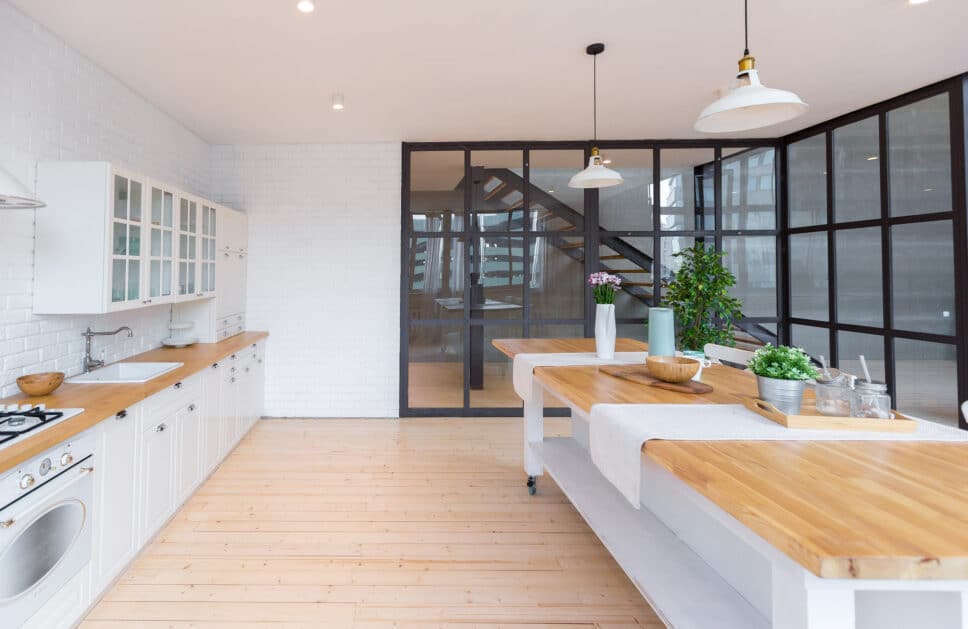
(640, 375)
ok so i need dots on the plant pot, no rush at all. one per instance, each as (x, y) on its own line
(785, 395)
(605, 331)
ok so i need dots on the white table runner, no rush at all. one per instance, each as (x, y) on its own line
(524, 364)
(618, 431)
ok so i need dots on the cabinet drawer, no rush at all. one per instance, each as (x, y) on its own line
(174, 397)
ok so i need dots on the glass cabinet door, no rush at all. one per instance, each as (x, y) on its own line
(126, 224)
(207, 250)
(161, 253)
(188, 220)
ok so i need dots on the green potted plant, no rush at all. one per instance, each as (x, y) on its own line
(699, 296)
(780, 376)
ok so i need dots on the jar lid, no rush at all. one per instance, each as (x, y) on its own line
(873, 386)
(833, 376)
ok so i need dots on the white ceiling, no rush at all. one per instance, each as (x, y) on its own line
(255, 71)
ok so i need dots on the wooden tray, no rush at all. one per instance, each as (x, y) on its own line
(640, 375)
(900, 423)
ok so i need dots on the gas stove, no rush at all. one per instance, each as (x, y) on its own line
(17, 422)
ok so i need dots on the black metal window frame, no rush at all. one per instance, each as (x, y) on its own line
(957, 90)
(591, 234)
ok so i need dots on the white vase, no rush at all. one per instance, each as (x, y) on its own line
(605, 331)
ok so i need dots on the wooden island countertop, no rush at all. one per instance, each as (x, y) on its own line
(101, 401)
(847, 510)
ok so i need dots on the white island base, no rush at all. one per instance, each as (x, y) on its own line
(701, 568)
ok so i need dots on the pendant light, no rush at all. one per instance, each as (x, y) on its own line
(750, 105)
(14, 195)
(596, 175)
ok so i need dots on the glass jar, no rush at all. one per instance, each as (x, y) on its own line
(870, 400)
(833, 394)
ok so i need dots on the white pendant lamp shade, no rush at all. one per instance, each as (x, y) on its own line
(596, 175)
(750, 106)
(15, 195)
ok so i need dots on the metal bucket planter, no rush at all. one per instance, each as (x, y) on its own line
(785, 395)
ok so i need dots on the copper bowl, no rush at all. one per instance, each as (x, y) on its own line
(40, 384)
(672, 368)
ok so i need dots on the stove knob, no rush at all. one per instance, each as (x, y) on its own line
(66, 459)
(45, 467)
(26, 481)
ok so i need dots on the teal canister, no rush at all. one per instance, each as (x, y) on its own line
(662, 332)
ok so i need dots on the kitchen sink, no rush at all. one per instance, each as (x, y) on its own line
(125, 373)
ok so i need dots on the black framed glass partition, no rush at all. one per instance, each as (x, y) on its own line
(846, 238)
(876, 239)
(496, 245)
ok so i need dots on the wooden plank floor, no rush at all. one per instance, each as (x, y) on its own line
(375, 523)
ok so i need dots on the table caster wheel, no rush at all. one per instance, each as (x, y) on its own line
(532, 485)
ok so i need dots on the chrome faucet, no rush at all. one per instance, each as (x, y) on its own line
(89, 362)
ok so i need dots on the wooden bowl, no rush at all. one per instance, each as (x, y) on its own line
(40, 384)
(672, 368)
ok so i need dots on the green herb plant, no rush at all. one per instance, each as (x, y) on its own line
(699, 296)
(782, 363)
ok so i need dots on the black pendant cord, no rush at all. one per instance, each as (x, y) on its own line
(746, 27)
(594, 98)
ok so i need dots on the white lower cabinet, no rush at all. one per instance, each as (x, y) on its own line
(212, 417)
(152, 456)
(189, 448)
(157, 473)
(115, 511)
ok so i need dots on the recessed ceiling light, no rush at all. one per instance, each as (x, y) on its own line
(872, 158)
(338, 102)
(306, 6)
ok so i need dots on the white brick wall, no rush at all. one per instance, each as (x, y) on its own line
(324, 271)
(324, 225)
(57, 105)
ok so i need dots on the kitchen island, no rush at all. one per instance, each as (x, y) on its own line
(788, 534)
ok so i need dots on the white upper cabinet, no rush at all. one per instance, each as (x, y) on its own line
(208, 253)
(127, 275)
(112, 240)
(188, 245)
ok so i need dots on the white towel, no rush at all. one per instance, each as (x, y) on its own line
(618, 431)
(524, 364)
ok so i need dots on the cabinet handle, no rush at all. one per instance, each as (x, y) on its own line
(233, 370)
(226, 254)
(233, 380)
(6, 524)
(253, 345)
(85, 470)
(178, 385)
(214, 365)
(198, 294)
(233, 357)
(191, 408)
(121, 414)
(260, 360)
(160, 428)
(246, 370)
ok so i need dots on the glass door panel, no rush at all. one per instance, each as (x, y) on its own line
(188, 224)
(207, 253)
(126, 242)
(161, 252)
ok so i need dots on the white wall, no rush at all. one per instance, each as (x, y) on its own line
(324, 271)
(57, 105)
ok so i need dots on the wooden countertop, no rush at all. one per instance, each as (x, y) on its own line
(101, 401)
(857, 509)
(510, 347)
